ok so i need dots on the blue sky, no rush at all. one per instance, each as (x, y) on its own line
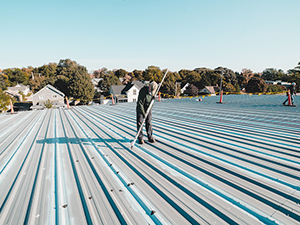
(134, 34)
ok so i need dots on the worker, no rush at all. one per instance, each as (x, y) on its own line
(292, 90)
(146, 95)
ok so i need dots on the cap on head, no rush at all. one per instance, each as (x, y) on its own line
(293, 83)
(153, 85)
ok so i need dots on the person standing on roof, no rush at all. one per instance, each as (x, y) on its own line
(292, 90)
(146, 95)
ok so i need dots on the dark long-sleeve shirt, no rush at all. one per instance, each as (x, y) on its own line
(144, 100)
(292, 90)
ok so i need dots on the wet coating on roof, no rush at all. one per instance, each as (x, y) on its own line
(231, 163)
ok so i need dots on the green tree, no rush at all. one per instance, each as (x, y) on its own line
(191, 77)
(208, 77)
(74, 80)
(3, 82)
(138, 75)
(274, 88)
(15, 76)
(273, 74)
(49, 70)
(61, 83)
(153, 73)
(106, 83)
(168, 86)
(256, 84)
(4, 101)
(120, 73)
(184, 74)
(294, 76)
(81, 87)
(101, 73)
(228, 75)
(237, 88)
(227, 87)
(37, 83)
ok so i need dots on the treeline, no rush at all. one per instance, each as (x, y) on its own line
(67, 76)
(201, 77)
(75, 81)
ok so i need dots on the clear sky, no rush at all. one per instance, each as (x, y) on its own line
(135, 34)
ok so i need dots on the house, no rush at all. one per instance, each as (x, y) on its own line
(278, 82)
(20, 88)
(126, 93)
(209, 90)
(48, 93)
(14, 95)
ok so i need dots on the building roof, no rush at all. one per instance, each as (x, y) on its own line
(50, 87)
(139, 84)
(10, 92)
(117, 89)
(19, 87)
(122, 89)
(232, 163)
(209, 90)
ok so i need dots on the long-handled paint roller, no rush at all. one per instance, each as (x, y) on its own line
(148, 110)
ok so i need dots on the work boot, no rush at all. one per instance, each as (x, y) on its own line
(152, 140)
(141, 141)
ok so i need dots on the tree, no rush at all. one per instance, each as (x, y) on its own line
(294, 76)
(49, 70)
(80, 86)
(191, 77)
(168, 87)
(4, 101)
(228, 87)
(242, 81)
(228, 75)
(15, 76)
(273, 74)
(74, 80)
(256, 84)
(209, 77)
(106, 83)
(120, 73)
(138, 75)
(153, 73)
(101, 73)
(62, 84)
(274, 88)
(37, 83)
(3, 82)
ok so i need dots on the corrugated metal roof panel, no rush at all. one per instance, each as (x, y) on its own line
(212, 163)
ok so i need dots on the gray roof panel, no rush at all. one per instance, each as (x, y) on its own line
(212, 163)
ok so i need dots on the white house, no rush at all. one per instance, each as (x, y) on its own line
(20, 88)
(126, 93)
(279, 82)
(48, 93)
(16, 90)
(14, 95)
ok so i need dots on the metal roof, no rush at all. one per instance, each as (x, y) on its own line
(232, 163)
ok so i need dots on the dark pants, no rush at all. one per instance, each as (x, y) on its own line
(292, 100)
(148, 124)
